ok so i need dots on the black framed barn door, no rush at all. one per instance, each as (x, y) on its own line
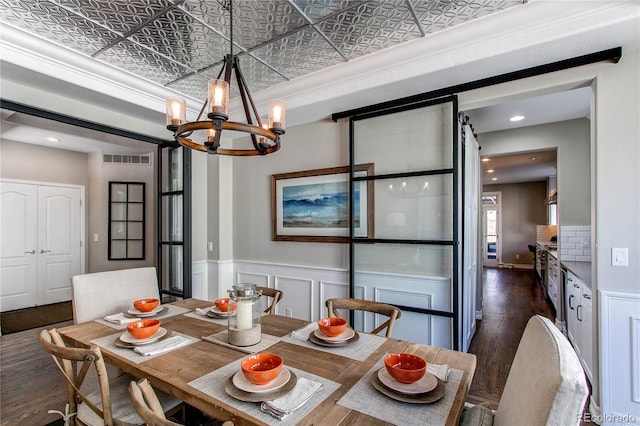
(410, 258)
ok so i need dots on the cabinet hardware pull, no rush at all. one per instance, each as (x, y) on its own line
(571, 297)
(578, 313)
(586, 296)
(45, 251)
(30, 252)
(576, 286)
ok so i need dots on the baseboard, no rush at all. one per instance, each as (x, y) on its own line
(515, 266)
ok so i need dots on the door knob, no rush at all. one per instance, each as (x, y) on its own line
(44, 251)
(30, 252)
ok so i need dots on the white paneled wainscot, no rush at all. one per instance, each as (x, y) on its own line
(620, 358)
(306, 289)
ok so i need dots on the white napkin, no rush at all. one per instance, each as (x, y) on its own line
(203, 311)
(119, 318)
(440, 371)
(284, 406)
(304, 332)
(162, 346)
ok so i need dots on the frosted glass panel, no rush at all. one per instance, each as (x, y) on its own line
(431, 260)
(172, 217)
(414, 208)
(172, 169)
(172, 268)
(407, 141)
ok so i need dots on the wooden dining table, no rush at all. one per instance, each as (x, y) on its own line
(173, 371)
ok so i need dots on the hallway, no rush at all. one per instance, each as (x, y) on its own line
(510, 298)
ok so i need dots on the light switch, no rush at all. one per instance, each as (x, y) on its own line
(210, 245)
(620, 256)
(95, 237)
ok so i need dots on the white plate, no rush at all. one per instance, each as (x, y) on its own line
(140, 314)
(126, 337)
(347, 334)
(220, 313)
(243, 384)
(427, 383)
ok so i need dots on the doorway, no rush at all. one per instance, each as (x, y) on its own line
(491, 229)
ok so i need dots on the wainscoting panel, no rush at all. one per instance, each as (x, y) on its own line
(199, 287)
(620, 357)
(299, 297)
(306, 289)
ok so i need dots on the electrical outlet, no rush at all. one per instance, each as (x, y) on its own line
(289, 312)
(517, 256)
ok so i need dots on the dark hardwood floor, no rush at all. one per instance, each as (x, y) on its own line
(510, 298)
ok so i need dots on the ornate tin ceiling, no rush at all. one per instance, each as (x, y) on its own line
(180, 43)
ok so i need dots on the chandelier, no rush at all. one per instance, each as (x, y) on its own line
(265, 136)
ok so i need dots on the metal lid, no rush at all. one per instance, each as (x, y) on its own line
(244, 291)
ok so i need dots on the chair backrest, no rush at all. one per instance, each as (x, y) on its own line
(104, 293)
(147, 404)
(75, 365)
(369, 306)
(276, 296)
(546, 383)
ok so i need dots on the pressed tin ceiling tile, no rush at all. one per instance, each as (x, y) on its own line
(137, 60)
(121, 16)
(181, 43)
(56, 24)
(298, 54)
(180, 37)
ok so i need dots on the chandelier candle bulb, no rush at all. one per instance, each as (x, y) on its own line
(211, 135)
(218, 97)
(277, 114)
(176, 112)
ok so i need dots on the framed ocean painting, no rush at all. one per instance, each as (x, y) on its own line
(313, 205)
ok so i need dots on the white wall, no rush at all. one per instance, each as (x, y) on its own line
(572, 140)
(314, 146)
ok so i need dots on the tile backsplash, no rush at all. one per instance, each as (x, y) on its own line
(545, 232)
(575, 243)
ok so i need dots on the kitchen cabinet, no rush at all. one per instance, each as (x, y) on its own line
(552, 278)
(580, 320)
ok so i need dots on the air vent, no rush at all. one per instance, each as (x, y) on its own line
(132, 159)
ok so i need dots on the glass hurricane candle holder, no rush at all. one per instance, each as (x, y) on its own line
(245, 327)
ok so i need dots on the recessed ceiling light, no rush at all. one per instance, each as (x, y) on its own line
(517, 118)
(494, 178)
(484, 160)
(532, 158)
(52, 139)
(490, 171)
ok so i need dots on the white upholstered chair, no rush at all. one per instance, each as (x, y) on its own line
(100, 294)
(546, 384)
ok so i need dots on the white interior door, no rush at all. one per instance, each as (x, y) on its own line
(18, 243)
(491, 247)
(471, 219)
(41, 230)
(58, 242)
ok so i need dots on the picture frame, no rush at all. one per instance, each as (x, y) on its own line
(313, 205)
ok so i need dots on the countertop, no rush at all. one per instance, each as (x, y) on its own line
(545, 244)
(580, 269)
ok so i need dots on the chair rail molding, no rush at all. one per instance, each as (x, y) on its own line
(619, 353)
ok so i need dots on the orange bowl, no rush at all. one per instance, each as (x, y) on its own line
(261, 368)
(332, 326)
(404, 367)
(143, 329)
(225, 304)
(146, 305)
